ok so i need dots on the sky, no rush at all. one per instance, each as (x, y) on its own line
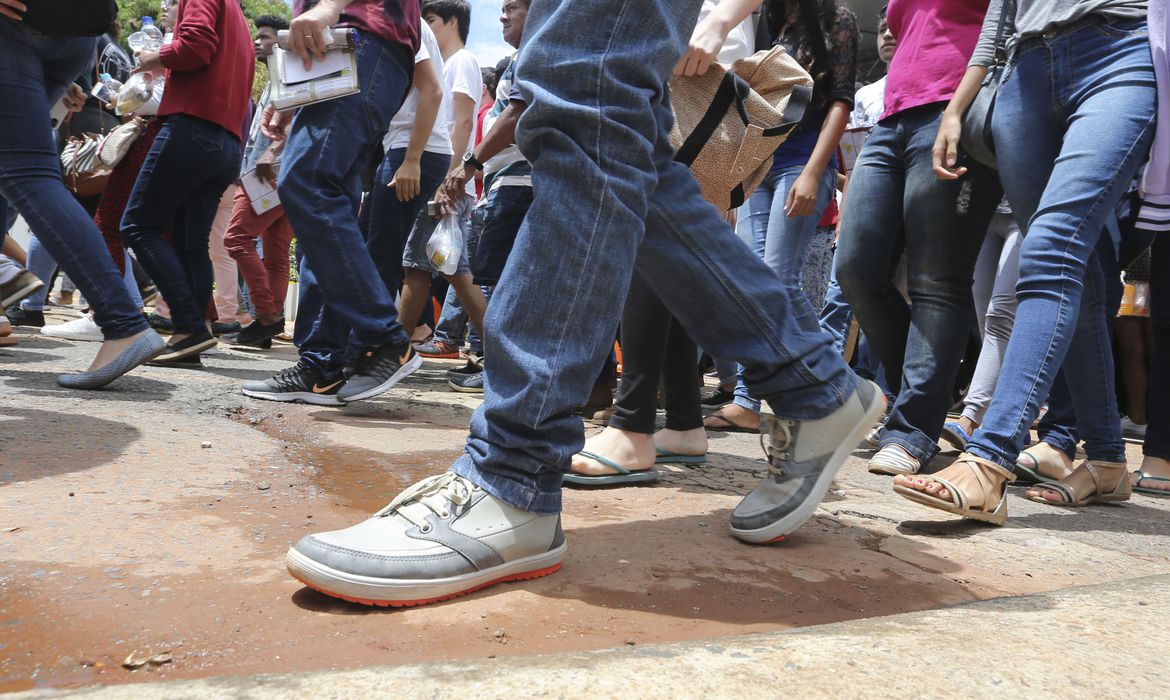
(485, 39)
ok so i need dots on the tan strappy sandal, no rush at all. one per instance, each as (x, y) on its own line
(967, 475)
(1084, 485)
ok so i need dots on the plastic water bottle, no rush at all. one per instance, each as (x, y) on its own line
(150, 37)
(135, 93)
(107, 89)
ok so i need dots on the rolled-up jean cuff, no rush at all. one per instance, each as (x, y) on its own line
(750, 404)
(510, 491)
(984, 454)
(918, 445)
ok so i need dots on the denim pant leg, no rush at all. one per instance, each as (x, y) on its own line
(452, 325)
(605, 175)
(1157, 442)
(35, 71)
(1058, 425)
(41, 264)
(836, 316)
(1088, 97)
(944, 224)
(784, 241)
(320, 337)
(320, 188)
(996, 275)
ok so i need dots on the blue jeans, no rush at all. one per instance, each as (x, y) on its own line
(612, 199)
(1088, 96)
(385, 222)
(320, 188)
(896, 204)
(186, 171)
(453, 321)
(34, 72)
(781, 241)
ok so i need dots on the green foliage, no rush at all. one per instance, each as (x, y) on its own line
(131, 12)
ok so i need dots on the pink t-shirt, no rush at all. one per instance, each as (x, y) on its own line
(935, 40)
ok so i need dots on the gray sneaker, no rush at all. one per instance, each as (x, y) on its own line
(441, 538)
(803, 457)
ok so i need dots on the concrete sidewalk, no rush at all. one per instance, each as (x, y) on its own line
(1091, 642)
(154, 516)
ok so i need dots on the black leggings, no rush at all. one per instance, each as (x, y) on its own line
(655, 345)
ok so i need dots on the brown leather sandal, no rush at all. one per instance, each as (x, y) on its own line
(967, 475)
(1089, 483)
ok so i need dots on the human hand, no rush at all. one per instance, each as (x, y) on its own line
(944, 157)
(274, 124)
(802, 196)
(705, 44)
(405, 182)
(148, 62)
(451, 189)
(307, 30)
(13, 9)
(74, 97)
(267, 172)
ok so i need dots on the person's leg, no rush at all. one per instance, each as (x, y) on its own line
(945, 224)
(41, 264)
(129, 281)
(320, 190)
(276, 239)
(1156, 447)
(788, 239)
(239, 241)
(681, 382)
(191, 237)
(34, 73)
(998, 271)
(452, 325)
(836, 316)
(225, 273)
(1064, 181)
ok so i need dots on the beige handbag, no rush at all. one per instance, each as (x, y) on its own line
(728, 123)
(116, 144)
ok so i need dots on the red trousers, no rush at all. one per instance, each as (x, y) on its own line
(267, 279)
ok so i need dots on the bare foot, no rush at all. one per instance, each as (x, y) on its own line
(1050, 462)
(969, 425)
(1154, 475)
(682, 442)
(112, 348)
(634, 451)
(732, 416)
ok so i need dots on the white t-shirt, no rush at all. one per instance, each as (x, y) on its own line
(398, 135)
(462, 75)
(868, 105)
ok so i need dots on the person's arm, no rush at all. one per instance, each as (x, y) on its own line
(194, 43)
(462, 126)
(945, 155)
(711, 33)
(500, 136)
(306, 30)
(430, 96)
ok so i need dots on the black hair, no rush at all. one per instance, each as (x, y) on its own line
(805, 53)
(446, 9)
(490, 79)
(271, 21)
(502, 66)
(882, 13)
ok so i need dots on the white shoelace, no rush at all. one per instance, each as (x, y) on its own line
(777, 447)
(435, 493)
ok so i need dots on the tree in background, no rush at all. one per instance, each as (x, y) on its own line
(131, 12)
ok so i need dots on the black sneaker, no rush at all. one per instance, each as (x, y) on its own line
(474, 366)
(301, 382)
(218, 328)
(255, 333)
(721, 397)
(467, 384)
(191, 345)
(377, 369)
(20, 317)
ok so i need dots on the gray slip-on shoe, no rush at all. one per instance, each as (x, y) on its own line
(803, 457)
(144, 348)
(441, 538)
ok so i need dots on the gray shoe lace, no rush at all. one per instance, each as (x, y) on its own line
(436, 493)
(777, 451)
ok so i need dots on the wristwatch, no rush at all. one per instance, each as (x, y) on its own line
(470, 159)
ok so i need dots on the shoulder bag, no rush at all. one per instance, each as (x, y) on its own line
(976, 138)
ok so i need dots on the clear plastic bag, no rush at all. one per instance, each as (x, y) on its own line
(445, 245)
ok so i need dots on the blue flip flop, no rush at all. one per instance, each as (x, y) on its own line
(955, 435)
(624, 476)
(665, 456)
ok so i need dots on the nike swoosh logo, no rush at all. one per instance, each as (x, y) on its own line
(323, 389)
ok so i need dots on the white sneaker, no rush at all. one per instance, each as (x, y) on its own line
(441, 538)
(82, 328)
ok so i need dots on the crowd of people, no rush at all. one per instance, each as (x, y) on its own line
(914, 290)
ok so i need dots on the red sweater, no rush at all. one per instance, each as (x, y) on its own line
(210, 63)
